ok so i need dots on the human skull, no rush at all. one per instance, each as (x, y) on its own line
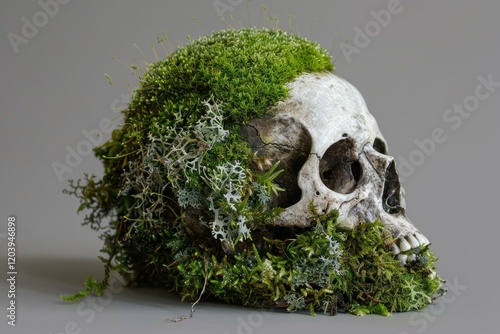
(334, 157)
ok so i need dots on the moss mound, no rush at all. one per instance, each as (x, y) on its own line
(184, 202)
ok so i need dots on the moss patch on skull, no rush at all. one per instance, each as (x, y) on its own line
(184, 202)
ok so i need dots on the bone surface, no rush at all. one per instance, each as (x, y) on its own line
(334, 157)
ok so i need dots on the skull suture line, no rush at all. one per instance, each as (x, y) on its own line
(334, 157)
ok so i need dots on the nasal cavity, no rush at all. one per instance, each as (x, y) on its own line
(391, 198)
(339, 167)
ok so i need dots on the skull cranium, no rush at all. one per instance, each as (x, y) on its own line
(334, 157)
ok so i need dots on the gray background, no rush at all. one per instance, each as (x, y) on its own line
(425, 60)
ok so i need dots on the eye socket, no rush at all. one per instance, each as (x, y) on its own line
(339, 167)
(291, 145)
(379, 146)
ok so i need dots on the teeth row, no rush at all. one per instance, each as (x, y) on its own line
(406, 243)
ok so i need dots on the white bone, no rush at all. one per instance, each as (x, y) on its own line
(332, 111)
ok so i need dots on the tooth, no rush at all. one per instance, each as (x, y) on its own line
(412, 257)
(422, 239)
(413, 242)
(402, 258)
(395, 249)
(404, 245)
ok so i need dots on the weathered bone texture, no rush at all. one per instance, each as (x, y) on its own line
(334, 157)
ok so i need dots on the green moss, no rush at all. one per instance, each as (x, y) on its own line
(322, 269)
(244, 69)
(184, 202)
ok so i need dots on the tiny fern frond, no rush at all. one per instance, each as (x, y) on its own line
(90, 285)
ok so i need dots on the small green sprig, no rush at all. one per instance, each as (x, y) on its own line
(267, 179)
(91, 285)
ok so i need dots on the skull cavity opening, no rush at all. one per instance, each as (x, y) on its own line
(285, 140)
(339, 167)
